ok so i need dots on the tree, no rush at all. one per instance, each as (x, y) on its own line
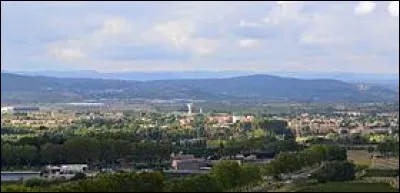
(336, 153)
(7, 155)
(249, 174)
(198, 183)
(79, 176)
(151, 182)
(226, 173)
(388, 146)
(276, 126)
(318, 153)
(335, 171)
(52, 153)
(272, 169)
(288, 145)
(82, 150)
(286, 162)
(25, 155)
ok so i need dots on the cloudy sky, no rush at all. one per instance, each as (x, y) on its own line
(146, 36)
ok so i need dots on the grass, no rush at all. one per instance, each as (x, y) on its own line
(360, 157)
(386, 163)
(215, 143)
(382, 173)
(348, 187)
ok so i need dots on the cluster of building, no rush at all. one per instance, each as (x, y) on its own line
(306, 124)
(18, 110)
(34, 117)
(221, 120)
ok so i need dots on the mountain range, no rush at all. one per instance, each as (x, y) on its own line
(16, 88)
(374, 78)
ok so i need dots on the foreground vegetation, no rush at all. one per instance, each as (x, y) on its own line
(347, 187)
(223, 177)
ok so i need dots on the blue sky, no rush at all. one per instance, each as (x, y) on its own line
(177, 36)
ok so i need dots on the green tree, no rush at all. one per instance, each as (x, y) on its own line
(198, 183)
(82, 150)
(52, 154)
(227, 174)
(151, 182)
(335, 171)
(336, 153)
(249, 174)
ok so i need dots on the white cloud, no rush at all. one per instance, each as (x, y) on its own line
(394, 8)
(115, 30)
(213, 33)
(364, 7)
(315, 39)
(285, 11)
(113, 26)
(248, 43)
(176, 32)
(203, 47)
(288, 2)
(244, 23)
(67, 54)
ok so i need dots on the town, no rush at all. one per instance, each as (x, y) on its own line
(96, 138)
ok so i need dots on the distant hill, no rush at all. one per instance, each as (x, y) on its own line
(21, 88)
(376, 78)
(139, 76)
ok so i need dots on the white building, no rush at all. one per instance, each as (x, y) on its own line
(73, 168)
(10, 109)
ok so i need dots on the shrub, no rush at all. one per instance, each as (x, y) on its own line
(78, 176)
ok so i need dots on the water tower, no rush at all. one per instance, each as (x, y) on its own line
(189, 105)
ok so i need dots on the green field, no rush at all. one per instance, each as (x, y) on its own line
(348, 187)
(360, 157)
(363, 157)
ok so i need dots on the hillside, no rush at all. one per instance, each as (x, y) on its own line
(22, 88)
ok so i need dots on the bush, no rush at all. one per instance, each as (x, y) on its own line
(335, 171)
(249, 174)
(78, 176)
(36, 182)
(381, 173)
(198, 183)
(360, 168)
(227, 174)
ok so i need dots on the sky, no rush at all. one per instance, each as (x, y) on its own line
(117, 36)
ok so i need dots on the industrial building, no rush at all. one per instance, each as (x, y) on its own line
(19, 110)
(186, 162)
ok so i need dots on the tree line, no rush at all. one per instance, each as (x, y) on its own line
(224, 176)
(110, 148)
(288, 162)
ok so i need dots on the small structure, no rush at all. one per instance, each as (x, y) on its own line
(12, 176)
(74, 168)
(19, 110)
(66, 169)
(186, 162)
(189, 105)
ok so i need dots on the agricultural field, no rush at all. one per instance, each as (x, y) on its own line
(385, 163)
(363, 157)
(360, 157)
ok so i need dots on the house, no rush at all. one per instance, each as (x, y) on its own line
(186, 162)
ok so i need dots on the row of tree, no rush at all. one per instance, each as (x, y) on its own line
(107, 148)
(89, 150)
(389, 147)
(335, 171)
(224, 176)
(288, 162)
